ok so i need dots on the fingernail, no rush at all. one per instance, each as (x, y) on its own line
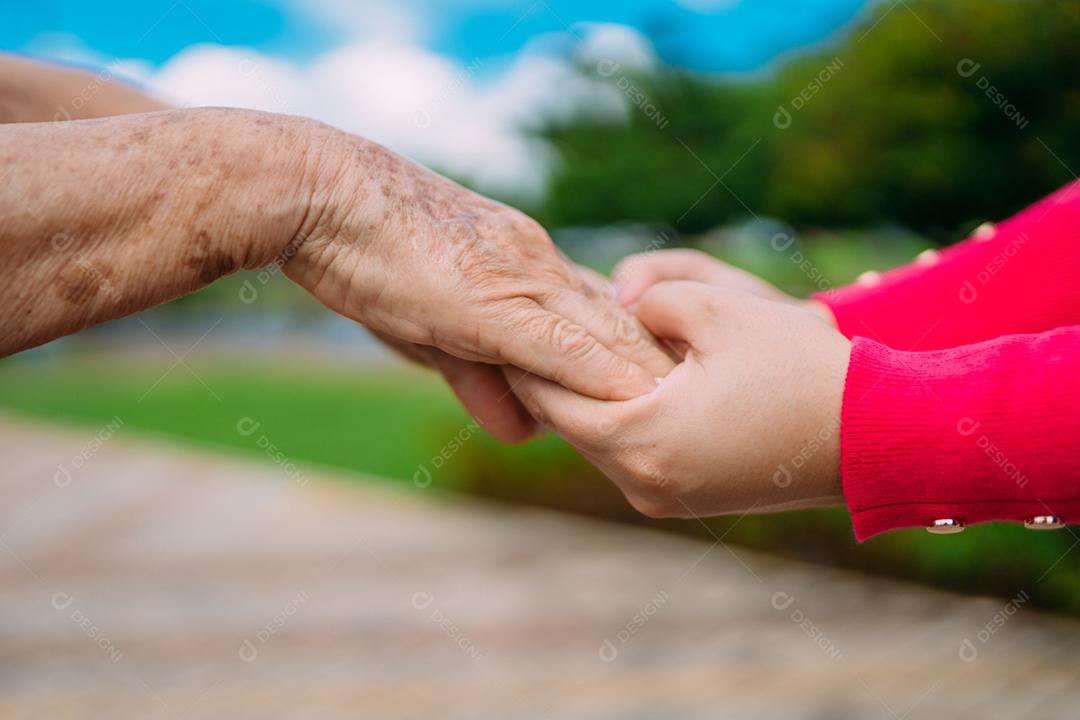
(611, 291)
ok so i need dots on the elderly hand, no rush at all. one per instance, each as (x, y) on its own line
(152, 206)
(749, 421)
(636, 273)
(460, 282)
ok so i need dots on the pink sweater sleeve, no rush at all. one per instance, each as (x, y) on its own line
(987, 431)
(974, 426)
(1021, 276)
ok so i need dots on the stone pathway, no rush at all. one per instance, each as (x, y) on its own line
(154, 582)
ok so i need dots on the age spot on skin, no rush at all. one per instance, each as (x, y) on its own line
(209, 262)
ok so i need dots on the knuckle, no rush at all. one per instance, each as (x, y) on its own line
(568, 339)
(648, 473)
(522, 227)
(644, 468)
(658, 470)
(626, 332)
(723, 302)
(600, 433)
(528, 227)
(604, 430)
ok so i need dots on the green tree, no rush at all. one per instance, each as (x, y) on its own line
(933, 115)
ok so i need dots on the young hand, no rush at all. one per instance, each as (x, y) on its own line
(749, 421)
(636, 273)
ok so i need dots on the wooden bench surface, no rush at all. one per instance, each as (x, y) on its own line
(146, 580)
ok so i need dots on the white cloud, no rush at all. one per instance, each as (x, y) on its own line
(465, 119)
(620, 43)
(215, 75)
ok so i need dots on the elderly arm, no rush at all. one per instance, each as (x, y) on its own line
(104, 218)
(107, 217)
(32, 91)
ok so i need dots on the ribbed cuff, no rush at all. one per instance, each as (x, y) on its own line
(977, 433)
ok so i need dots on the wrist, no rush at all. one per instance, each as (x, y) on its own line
(832, 377)
(820, 310)
(345, 182)
(349, 184)
(267, 163)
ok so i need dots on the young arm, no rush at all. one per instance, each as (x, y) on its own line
(773, 410)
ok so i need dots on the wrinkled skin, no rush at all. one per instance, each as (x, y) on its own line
(748, 421)
(462, 283)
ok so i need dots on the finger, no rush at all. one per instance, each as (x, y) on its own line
(615, 328)
(682, 312)
(574, 417)
(598, 288)
(566, 412)
(636, 273)
(585, 423)
(601, 287)
(486, 395)
(555, 347)
(481, 388)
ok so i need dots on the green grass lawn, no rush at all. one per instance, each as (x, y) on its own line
(376, 420)
(379, 419)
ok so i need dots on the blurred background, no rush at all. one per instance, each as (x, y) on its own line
(806, 141)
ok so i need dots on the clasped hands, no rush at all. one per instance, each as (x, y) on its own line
(697, 388)
(747, 420)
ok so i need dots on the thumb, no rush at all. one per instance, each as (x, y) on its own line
(682, 311)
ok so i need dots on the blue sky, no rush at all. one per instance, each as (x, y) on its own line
(708, 35)
(455, 84)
